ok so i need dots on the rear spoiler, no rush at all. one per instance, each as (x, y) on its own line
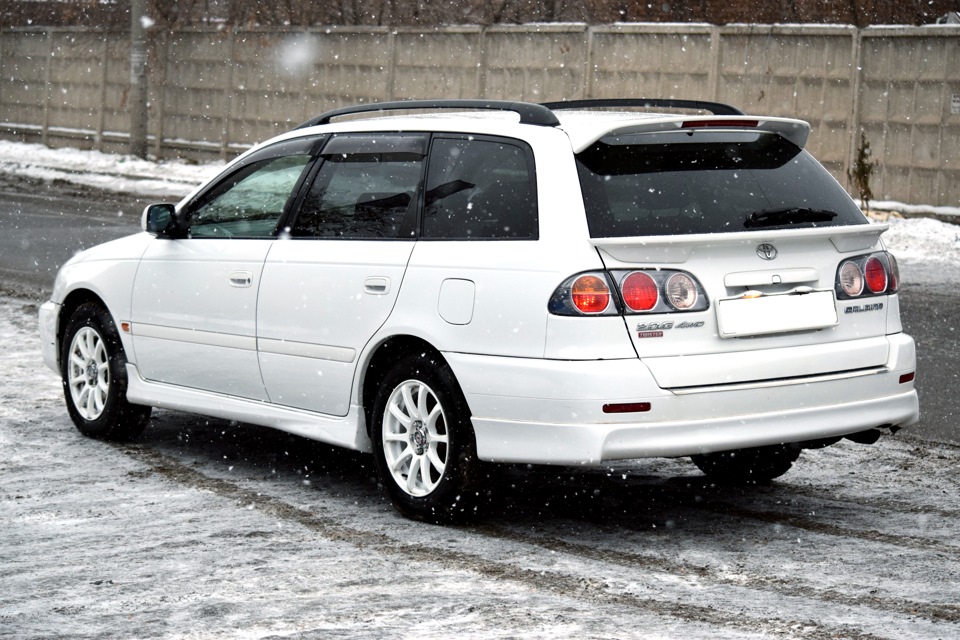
(796, 131)
(678, 248)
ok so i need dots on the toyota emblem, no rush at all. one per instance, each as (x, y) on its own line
(767, 251)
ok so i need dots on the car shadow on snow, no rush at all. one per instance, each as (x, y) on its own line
(641, 494)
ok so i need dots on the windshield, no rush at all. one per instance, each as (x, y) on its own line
(687, 182)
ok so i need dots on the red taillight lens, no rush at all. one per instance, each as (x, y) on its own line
(590, 294)
(640, 291)
(875, 274)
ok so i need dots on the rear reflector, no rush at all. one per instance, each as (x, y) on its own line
(627, 407)
(908, 377)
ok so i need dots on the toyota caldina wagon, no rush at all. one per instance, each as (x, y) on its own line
(488, 281)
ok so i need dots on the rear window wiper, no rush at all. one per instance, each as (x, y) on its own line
(787, 215)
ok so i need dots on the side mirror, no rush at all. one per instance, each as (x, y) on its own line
(160, 220)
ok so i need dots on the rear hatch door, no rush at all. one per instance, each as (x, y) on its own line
(762, 229)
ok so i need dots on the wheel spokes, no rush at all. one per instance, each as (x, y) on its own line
(88, 373)
(414, 438)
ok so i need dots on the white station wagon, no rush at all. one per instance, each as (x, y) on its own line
(490, 281)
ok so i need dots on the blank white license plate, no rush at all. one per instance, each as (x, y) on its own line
(781, 313)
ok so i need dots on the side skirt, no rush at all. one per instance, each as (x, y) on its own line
(348, 431)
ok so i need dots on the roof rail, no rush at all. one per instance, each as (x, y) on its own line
(716, 108)
(529, 112)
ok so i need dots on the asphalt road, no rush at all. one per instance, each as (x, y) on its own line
(42, 225)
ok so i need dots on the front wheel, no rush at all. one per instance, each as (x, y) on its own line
(94, 373)
(748, 466)
(423, 441)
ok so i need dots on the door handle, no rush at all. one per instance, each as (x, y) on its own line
(377, 286)
(241, 279)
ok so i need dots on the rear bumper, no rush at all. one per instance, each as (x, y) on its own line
(559, 418)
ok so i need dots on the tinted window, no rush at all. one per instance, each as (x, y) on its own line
(366, 188)
(248, 203)
(706, 182)
(480, 189)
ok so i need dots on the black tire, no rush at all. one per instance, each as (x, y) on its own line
(94, 373)
(748, 466)
(418, 488)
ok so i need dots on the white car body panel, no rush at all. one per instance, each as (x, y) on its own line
(195, 303)
(318, 308)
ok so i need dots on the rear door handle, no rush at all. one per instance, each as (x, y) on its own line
(377, 286)
(241, 279)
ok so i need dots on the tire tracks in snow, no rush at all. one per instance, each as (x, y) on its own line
(561, 583)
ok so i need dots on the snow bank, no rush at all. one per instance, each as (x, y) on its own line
(111, 172)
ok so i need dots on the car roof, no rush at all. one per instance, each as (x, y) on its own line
(584, 122)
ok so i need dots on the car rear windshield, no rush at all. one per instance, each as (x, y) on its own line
(687, 182)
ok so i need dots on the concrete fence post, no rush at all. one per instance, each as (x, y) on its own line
(48, 90)
(227, 130)
(137, 105)
(102, 119)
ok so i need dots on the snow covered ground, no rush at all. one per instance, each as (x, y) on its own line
(212, 529)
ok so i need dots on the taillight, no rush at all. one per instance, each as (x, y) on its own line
(647, 291)
(873, 274)
(590, 294)
(640, 291)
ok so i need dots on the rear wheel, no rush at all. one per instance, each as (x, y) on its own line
(94, 373)
(424, 443)
(744, 466)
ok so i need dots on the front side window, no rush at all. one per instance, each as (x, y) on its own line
(249, 203)
(480, 188)
(691, 182)
(366, 188)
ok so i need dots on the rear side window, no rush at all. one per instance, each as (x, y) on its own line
(366, 188)
(480, 188)
(687, 182)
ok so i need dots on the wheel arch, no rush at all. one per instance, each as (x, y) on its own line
(382, 357)
(73, 301)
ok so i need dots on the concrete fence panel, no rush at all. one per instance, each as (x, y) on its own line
(908, 95)
(652, 61)
(807, 74)
(347, 66)
(535, 63)
(24, 85)
(436, 64)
